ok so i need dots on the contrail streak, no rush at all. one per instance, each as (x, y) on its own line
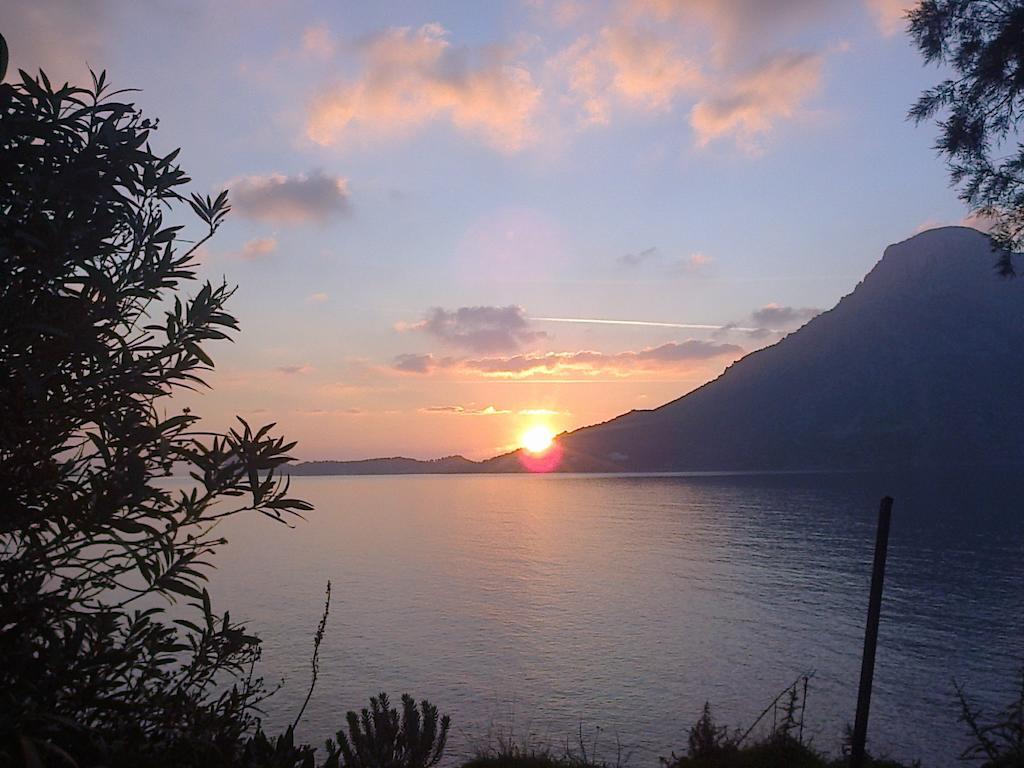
(649, 323)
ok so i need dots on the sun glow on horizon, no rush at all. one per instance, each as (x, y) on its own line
(537, 439)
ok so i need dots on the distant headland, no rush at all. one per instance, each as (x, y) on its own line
(930, 330)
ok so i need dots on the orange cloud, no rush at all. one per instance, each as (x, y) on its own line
(722, 56)
(890, 15)
(318, 42)
(258, 248)
(631, 66)
(695, 262)
(671, 357)
(411, 78)
(748, 108)
(459, 410)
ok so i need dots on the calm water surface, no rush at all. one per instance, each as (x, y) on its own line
(537, 604)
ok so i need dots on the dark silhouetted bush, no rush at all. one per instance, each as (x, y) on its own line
(998, 743)
(96, 334)
(379, 737)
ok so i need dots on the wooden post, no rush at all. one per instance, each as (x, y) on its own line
(867, 664)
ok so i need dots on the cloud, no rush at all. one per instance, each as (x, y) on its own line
(317, 298)
(567, 12)
(61, 37)
(329, 412)
(648, 71)
(410, 78)
(927, 224)
(694, 263)
(736, 25)
(293, 370)
(624, 65)
(642, 56)
(490, 410)
(257, 248)
(415, 363)
(773, 316)
(478, 329)
(890, 15)
(672, 356)
(458, 410)
(980, 221)
(318, 42)
(636, 259)
(749, 107)
(563, 13)
(724, 59)
(279, 199)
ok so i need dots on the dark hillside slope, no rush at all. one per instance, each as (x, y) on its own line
(922, 365)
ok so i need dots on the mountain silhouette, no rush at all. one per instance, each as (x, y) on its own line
(395, 465)
(921, 365)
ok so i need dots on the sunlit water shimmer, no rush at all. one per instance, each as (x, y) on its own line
(538, 604)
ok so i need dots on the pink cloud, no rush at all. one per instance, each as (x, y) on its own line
(748, 107)
(624, 65)
(672, 357)
(62, 37)
(890, 15)
(979, 221)
(257, 248)
(694, 263)
(459, 410)
(318, 42)
(721, 58)
(412, 78)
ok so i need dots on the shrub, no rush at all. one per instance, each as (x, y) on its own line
(707, 739)
(96, 335)
(378, 738)
(1000, 742)
(511, 752)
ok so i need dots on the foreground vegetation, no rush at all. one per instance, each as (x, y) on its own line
(96, 336)
(995, 742)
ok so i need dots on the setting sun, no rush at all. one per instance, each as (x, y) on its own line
(537, 438)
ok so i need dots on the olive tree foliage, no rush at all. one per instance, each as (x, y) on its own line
(97, 332)
(980, 107)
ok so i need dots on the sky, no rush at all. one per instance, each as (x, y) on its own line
(454, 222)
